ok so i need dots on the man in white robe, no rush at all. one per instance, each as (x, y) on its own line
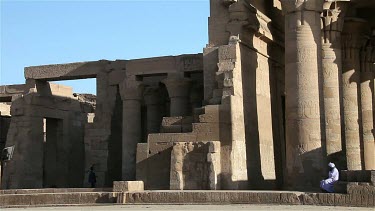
(333, 176)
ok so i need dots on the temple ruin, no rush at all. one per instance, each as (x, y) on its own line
(282, 88)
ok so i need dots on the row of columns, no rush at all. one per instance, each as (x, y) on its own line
(326, 59)
(132, 93)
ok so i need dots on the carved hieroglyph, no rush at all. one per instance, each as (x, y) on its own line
(303, 130)
(367, 75)
(353, 37)
(332, 19)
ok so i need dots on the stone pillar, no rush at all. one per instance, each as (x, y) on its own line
(367, 75)
(131, 94)
(352, 37)
(304, 157)
(178, 89)
(333, 21)
(153, 103)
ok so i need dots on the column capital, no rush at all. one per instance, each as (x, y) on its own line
(355, 33)
(131, 89)
(333, 20)
(292, 6)
(151, 95)
(177, 86)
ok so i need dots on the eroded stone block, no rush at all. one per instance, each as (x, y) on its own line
(128, 186)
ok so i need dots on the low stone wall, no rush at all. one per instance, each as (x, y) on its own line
(42, 199)
(54, 190)
(188, 197)
(246, 197)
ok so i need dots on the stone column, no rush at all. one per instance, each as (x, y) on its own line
(333, 21)
(178, 89)
(153, 103)
(131, 94)
(367, 75)
(304, 157)
(352, 37)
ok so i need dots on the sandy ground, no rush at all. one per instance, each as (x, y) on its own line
(189, 207)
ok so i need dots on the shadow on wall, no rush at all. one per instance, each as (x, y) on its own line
(47, 132)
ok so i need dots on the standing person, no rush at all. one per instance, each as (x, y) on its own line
(92, 177)
(333, 176)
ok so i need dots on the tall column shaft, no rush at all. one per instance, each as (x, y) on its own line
(331, 89)
(153, 103)
(333, 20)
(367, 75)
(352, 41)
(131, 94)
(304, 157)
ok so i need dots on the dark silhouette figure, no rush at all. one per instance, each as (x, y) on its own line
(92, 177)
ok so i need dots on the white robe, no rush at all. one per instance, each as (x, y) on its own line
(327, 184)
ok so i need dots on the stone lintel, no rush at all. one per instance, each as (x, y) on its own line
(165, 65)
(10, 90)
(69, 71)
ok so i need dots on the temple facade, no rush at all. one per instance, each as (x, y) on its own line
(282, 88)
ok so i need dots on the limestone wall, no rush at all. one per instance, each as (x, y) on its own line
(195, 166)
(41, 159)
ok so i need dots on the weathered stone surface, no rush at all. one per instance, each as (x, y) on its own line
(128, 186)
(209, 121)
(77, 70)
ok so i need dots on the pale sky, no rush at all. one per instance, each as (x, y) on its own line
(54, 32)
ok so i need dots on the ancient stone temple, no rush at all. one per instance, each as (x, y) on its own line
(282, 88)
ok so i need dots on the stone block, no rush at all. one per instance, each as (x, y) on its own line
(42, 199)
(171, 129)
(340, 199)
(167, 121)
(116, 77)
(128, 186)
(67, 198)
(214, 146)
(77, 70)
(142, 152)
(358, 176)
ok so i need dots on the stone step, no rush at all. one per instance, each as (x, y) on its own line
(178, 124)
(54, 190)
(354, 187)
(245, 197)
(159, 142)
(211, 114)
(69, 198)
(367, 176)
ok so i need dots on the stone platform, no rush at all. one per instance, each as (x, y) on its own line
(81, 197)
(247, 197)
(51, 196)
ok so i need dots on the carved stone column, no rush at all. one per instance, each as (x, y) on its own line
(131, 94)
(367, 77)
(333, 20)
(304, 157)
(353, 37)
(153, 103)
(178, 89)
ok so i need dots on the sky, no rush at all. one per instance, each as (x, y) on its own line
(54, 32)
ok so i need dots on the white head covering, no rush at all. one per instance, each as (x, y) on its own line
(332, 165)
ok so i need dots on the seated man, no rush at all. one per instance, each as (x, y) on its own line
(333, 176)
